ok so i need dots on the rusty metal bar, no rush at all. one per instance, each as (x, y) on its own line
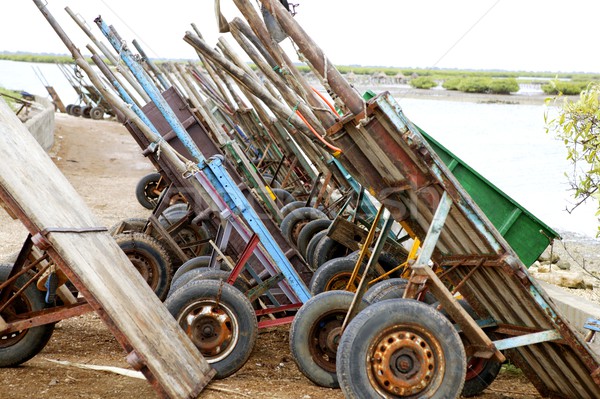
(363, 286)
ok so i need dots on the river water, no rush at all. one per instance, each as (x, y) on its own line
(506, 143)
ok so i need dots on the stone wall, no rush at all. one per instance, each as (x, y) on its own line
(41, 125)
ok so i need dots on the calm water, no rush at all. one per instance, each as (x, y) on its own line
(507, 144)
(21, 76)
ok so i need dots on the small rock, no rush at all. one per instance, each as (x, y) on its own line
(536, 264)
(563, 264)
(306, 397)
(53, 382)
(546, 258)
(563, 279)
(544, 268)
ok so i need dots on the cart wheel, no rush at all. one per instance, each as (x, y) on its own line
(20, 346)
(219, 320)
(85, 111)
(310, 248)
(315, 334)
(401, 348)
(76, 110)
(309, 231)
(392, 288)
(480, 372)
(167, 215)
(284, 197)
(206, 273)
(389, 262)
(184, 279)
(190, 237)
(97, 113)
(194, 263)
(327, 249)
(480, 375)
(130, 225)
(147, 190)
(334, 275)
(291, 206)
(150, 259)
(293, 223)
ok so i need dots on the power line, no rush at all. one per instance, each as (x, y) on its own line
(466, 33)
(130, 28)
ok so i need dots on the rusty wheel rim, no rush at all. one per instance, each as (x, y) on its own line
(212, 327)
(475, 365)
(340, 282)
(146, 267)
(298, 228)
(324, 336)
(405, 360)
(20, 305)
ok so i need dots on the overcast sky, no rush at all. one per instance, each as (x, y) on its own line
(525, 35)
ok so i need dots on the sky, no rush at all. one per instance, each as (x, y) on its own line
(524, 35)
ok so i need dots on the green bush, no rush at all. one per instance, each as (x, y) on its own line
(503, 86)
(452, 83)
(423, 82)
(566, 88)
(474, 85)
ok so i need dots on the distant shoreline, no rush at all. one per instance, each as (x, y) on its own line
(400, 92)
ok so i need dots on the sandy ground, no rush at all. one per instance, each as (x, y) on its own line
(103, 163)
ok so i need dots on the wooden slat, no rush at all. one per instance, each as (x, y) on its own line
(48, 200)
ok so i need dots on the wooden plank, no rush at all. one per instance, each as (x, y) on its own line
(118, 292)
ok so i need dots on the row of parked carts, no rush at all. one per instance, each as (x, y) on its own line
(402, 271)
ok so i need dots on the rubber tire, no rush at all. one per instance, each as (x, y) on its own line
(183, 279)
(151, 250)
(132, 225)
(34, 339)
(476, 384)
(284, 197)
(209, 273)
(334, 269)
(76, 110)
(309, 231)
(236, 303)
(363, 331)
(291, 206)
(97, 113)
(85, 111)
(143, 188)
(327, 249)
(300, 215)
(320, 311)
(175, 213)
(194, 263)
(392, 288)
(389, 262)
(312, 244)
(68, 108)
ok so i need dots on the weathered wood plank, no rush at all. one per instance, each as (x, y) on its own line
(48, 200)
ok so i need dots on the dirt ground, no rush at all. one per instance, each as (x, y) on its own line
(104, 164)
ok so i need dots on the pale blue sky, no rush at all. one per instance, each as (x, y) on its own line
(488, 34)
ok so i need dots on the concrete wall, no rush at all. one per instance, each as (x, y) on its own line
(41, 126)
